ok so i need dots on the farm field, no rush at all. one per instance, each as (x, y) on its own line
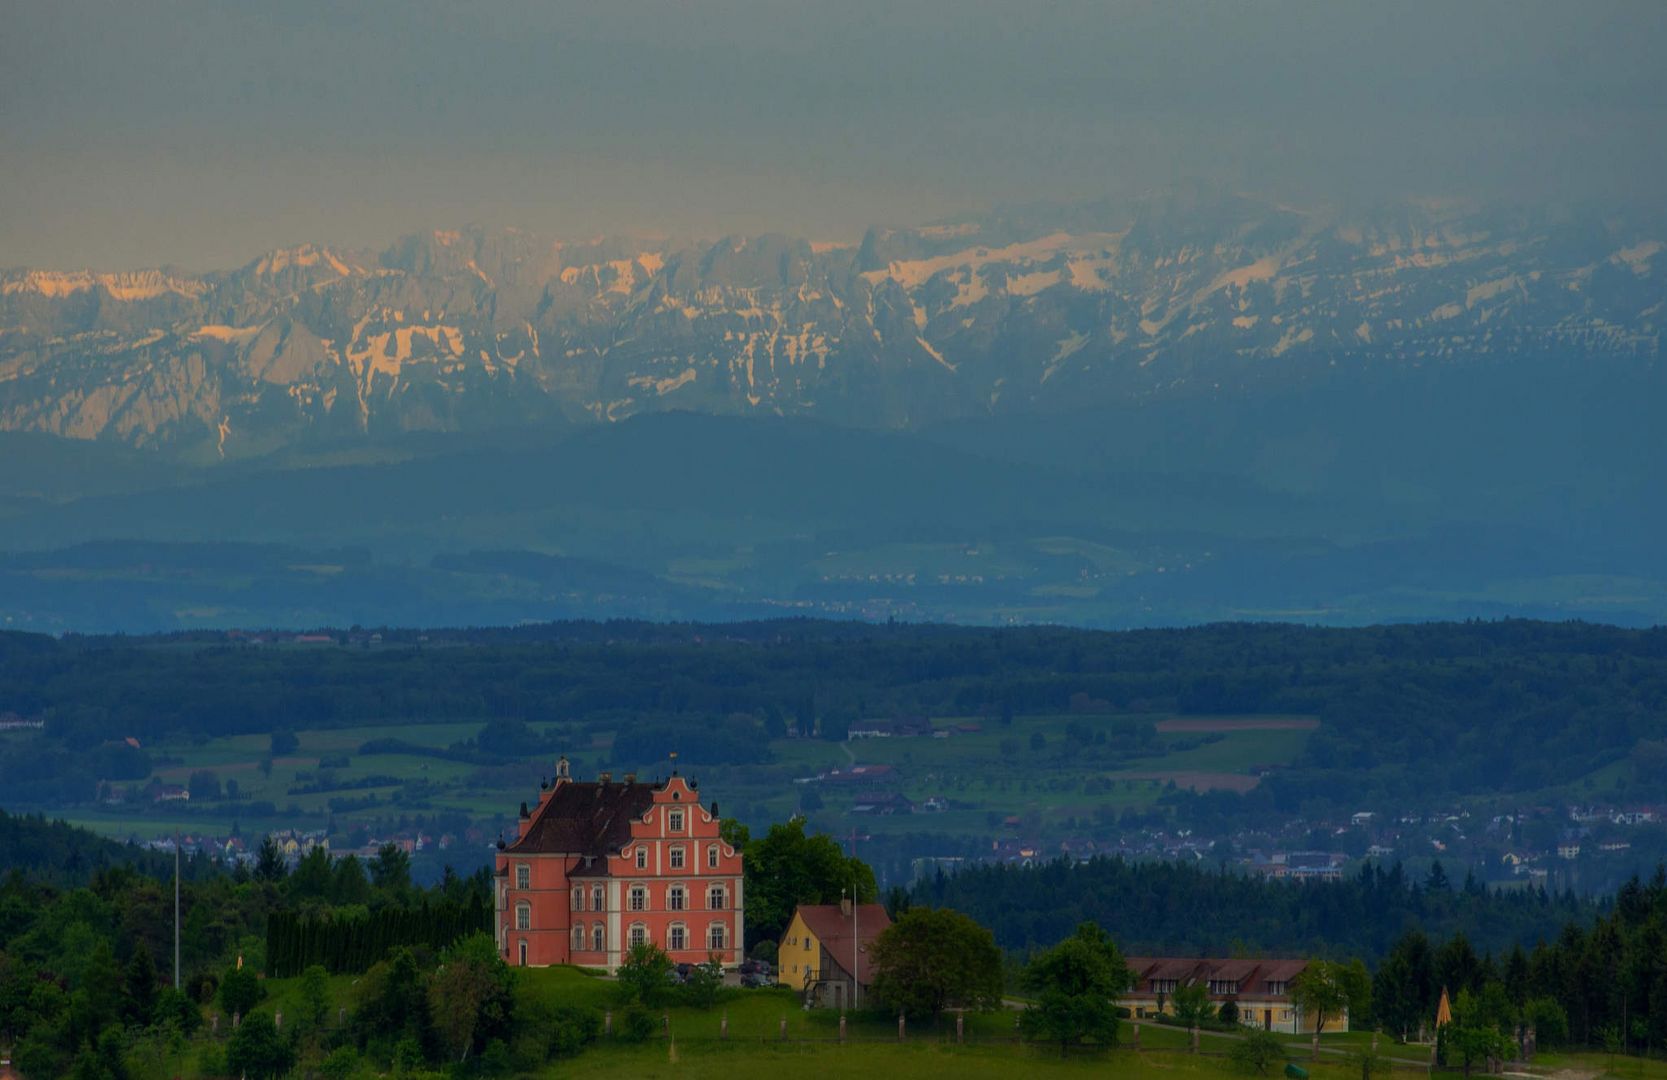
(1052, 775)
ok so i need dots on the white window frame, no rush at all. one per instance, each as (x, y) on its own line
(677, 937)
(523, 916)
(598, 938)
(675, 858)
(642, 858)
(717, 936)
(598, 901)
(638, 897)
(717, 898)
(638, 935)
(578, 938)
(578, 898)
(523, 876)
(712, 857)
(674, 821)
(677, 898)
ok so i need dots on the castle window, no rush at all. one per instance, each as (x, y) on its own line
(642, 858)
(523, 876)
(639, 898)
(715, 898)
(712, 857)
(675, 821)
(677, 938)
(598, 937)
(717, 936)
(596, 898)
(639, 935)
(677, 858)
(675, 898)
(523, 916)
(578, 938)
(579, 898)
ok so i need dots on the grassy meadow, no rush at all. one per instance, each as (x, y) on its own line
(1032, 769)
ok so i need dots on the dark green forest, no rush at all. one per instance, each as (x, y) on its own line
(1168, 908)
(1410, 715)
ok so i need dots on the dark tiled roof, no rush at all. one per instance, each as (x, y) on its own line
(586, 818)
(832, 928)
(1253, 976)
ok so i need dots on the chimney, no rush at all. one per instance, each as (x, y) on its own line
(845, 906)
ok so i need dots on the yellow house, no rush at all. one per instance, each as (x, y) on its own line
(822, 947)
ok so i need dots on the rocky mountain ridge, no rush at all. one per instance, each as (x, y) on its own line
(1020, 311)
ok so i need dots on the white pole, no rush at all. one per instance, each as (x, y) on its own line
(856, 979)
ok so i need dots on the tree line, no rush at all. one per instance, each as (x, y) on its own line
(1409, 714)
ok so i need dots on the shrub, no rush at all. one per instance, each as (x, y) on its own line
(1258, 1053)
(636, 1025)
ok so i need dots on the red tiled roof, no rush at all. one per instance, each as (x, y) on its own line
(832, 928)
(586, 818)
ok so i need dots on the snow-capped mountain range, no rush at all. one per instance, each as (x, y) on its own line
(1021, 311)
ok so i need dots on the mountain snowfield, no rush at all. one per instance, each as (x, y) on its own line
(1024, 311)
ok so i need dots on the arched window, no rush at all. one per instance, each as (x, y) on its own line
(523, 876)
(578, 938)
(717, 936)
(715, 898)
(579, 898)
(677, 938)
(523, 916)
(598, 937)
(677, 857)
(596, 898)
(639, 935)
(676, 898)
(639, 898)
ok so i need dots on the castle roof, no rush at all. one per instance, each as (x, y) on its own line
(585, 818)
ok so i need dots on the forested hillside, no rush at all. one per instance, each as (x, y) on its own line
(1414, 714)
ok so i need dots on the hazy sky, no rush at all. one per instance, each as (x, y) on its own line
(140, 132)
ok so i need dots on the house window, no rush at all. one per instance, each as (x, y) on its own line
(715, 898)
(579, 899)
(717, 936)
(578, 938)
(639, 935)
(677, 938)
(675, 898)
(523, 876)
(675, 820)
(1277, 989)
(523, 954)
(596, 898)
(712, 857)
(642, 858)
(677, 858)
(523, 916)
(639, 898)
(807, 944)
(598, 937)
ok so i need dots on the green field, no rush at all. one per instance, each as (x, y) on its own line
(1064, 785)
(755, 1046)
